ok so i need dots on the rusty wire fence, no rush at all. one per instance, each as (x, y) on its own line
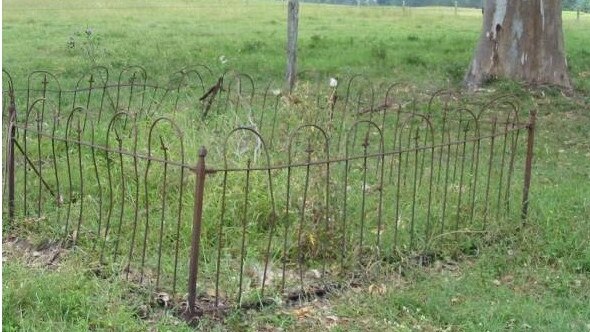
(292, 194)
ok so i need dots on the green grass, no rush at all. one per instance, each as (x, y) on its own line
(536, 279)
(375, 41)
(72, 298)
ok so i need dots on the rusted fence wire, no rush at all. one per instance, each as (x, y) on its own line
(300, 190)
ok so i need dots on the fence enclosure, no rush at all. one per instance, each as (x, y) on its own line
(236, 194)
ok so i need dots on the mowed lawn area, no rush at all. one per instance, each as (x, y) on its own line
(534, 279)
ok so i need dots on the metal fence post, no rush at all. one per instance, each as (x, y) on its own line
(196, 234)
(528, 165)
(10, 158)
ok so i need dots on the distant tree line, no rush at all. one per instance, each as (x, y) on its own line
(583, 5)
(422, 3)
(410, 3)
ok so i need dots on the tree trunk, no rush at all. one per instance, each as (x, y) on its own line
(292, 29)
(521, 40)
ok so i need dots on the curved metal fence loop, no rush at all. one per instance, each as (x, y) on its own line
(75, 127)
(250, 182)
(118, 180)
(45, 92)
(414, 165)
(170, 184)
(7, 94)
(91, 92)
(490, 109)
(182, 93)
(362, 181)
(308, 192)
(9, 122)
(131, 90)
(445, 96)
(36, 156)
(239, 90)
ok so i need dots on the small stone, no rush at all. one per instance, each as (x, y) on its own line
(314, 274)
(163, 299)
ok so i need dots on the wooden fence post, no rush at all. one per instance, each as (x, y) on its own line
(292, 31)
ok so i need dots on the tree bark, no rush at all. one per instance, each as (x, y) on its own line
(521, 40)
(292, 31)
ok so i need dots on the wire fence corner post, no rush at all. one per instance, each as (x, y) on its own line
(196, 233)
(528, 165)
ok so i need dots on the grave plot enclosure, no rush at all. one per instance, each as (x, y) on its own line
(234, 193)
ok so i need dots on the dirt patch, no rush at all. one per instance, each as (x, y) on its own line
(47, 254)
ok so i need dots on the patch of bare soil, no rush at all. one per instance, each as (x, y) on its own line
(311, 307)
(46, 254)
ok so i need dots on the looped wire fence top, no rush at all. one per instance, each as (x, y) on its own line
(302, 189)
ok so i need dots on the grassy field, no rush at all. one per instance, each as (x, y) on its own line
(166, 36)
(536, 279)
